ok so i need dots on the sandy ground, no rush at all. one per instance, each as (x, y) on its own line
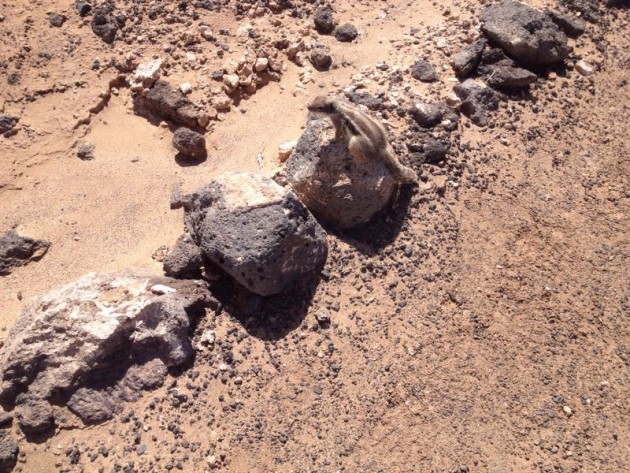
(461, 357)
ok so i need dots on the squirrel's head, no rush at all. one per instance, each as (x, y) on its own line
(322, 104)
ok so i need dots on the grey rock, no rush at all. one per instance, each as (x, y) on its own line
(346, 33)
(477, 100)
(104, 26)
(8, 452)
(65, 337)
(506, 77)
(6, 420)
(16, 250)
(321, 58)
(428, 115)
(34, 416)
(324, 21)
(571, 25)
(93, 406)
(184, 260)
(525, 33)
(190, 143)
(434, 151)
(82, 8)
(466, 61)
(424, 71)
(7, 123)
(370, 101)
(85, 151)
(56, 19)
(256, 231)
(143, 377)
(168, 104)
(332, 184)
(501, 72)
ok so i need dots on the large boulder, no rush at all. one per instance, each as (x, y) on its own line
(332, 184)
(91, 330)
(527, 34)
(16, 250)
(256, 231)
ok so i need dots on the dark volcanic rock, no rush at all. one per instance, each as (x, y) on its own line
(466, 61)
(477, 100)
(346, 33)
(85, 151)
(169, 104)
(525, 33)
(429, 149)
(372, 102)
(506, 77)
(190, 143)
(104, 26)
(324, 21)
(184, 260)
(83, 9)
(424, 71)
(93, 407)
(34, 416)
(8, 452)
(144, 377)
(571, 25)
(56, 19)
(321, 58)
(7, 123)
(6, 420)
(501, 72)
(332, 184)
(256, 231)
(18, 251)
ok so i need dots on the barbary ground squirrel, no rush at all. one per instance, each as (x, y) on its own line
(365, 137)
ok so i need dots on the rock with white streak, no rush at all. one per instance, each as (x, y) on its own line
(146, 74)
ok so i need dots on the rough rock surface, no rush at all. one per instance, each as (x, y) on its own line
(16, 250)
(571, 25)
(190, 143)
(8, 452)
(91, 331)
(56, 19)
(104, 26)
(321, 58)
(85, 151)
(332, 184)
(466, 61)
(525, 33)
(501, 72)
(428, 115)
(424, 71)
(7, 123)
(34, 416)
(94, 405)
(508, 77)
(168, 104)
(477, 100)
(184, 259)
(256, 231)
(324, 21)
(346, 33)
(146, 74)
